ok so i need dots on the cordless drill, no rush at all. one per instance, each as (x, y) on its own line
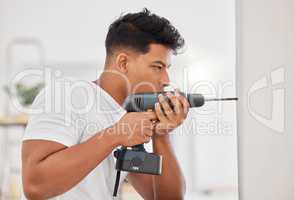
(137, 159)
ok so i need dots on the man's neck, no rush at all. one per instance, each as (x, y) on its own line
(112, 86)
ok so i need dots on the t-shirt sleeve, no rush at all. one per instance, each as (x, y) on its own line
(51, 121)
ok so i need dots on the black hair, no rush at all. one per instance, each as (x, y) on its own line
(136, 31)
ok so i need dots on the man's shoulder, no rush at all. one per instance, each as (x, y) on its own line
(79, 94)
(69, 92)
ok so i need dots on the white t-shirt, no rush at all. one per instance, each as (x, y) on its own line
(72, 112)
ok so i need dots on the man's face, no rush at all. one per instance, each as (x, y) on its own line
(149, 72)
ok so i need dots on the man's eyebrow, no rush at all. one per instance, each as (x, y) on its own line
(161, 63)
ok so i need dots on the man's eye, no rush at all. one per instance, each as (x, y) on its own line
(157, 67)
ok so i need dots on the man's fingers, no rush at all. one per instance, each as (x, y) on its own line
(184, 103)
(183, 100)
(151, 115)
(166, 107)
(160, 113)
(149, 132)
(176, 103)
(147, 139)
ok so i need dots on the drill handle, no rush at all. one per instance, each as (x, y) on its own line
(139, 147)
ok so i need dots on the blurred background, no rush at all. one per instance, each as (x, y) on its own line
(68, 38)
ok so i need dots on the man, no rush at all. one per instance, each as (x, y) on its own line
(65, 161)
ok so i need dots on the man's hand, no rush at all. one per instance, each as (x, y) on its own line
(171, 183)
(135, 128)
(170, 118)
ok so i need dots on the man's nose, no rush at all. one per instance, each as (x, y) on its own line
(165, 80)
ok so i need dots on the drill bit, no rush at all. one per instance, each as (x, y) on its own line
(221, 99)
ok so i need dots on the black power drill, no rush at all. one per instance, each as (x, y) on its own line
(137, 159)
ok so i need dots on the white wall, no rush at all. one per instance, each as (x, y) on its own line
(265, 76)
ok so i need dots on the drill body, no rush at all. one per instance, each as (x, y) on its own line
(137, 159)
(142, 102)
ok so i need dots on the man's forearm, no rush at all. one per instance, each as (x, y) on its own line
(62, 170)
(171, 184)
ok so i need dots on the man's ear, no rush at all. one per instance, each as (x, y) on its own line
(121, 62)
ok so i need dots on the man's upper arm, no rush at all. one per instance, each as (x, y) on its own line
(33, 152)
(38, 150)
(143, 184)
